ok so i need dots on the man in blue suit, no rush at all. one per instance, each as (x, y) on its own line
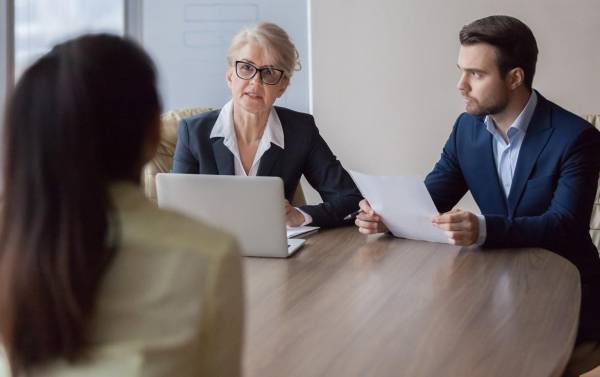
(531, 166)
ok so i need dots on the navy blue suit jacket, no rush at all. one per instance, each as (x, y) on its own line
(551, 197)
(305, 153)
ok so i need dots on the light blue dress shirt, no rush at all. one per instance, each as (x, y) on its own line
(506, 153)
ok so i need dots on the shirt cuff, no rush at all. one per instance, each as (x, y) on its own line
(307, 218)
(482, 230)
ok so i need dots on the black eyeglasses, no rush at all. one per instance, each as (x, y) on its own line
(268, 75)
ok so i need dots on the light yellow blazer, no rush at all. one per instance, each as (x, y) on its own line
(171, 304)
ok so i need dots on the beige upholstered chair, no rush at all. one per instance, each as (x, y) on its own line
(163, 161)
(595, 223)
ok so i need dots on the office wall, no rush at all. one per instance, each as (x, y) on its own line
(384, 72)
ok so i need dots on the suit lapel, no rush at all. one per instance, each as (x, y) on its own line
(537, 136)
(488, 173)
(269, 160)
(223, 157)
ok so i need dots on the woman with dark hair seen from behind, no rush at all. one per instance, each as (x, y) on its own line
(94, 279)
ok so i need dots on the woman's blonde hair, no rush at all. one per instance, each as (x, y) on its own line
(274, 40)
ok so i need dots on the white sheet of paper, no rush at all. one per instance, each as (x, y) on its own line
(298, 230)
(403, 203)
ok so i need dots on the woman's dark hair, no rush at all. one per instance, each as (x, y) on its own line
(80, 118)
(513, 40)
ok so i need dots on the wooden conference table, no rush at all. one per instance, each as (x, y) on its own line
(351, 305)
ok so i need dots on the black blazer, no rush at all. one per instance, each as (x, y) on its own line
(305, 153)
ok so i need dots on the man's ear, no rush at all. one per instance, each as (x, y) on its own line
(515, 77)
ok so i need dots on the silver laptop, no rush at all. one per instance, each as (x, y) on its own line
(249, 208)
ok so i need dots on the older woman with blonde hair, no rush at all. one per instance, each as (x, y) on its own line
(251, 137)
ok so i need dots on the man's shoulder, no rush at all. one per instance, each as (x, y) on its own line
(565, 120)
(567, 128)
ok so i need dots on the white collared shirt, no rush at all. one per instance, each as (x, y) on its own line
(273, 133)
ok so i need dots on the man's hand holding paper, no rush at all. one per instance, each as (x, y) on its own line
(462, 227)
(403, 205)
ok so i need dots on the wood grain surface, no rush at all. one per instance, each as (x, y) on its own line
(353, 305)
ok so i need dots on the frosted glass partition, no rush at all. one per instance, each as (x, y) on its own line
(189, 42)
(39, 24)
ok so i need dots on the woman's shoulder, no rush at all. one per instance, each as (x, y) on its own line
(145, 226)
(293, 115)
(174, 232)
(296, 123)
(4, 365)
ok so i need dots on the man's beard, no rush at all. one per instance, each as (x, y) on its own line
(495, 108)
